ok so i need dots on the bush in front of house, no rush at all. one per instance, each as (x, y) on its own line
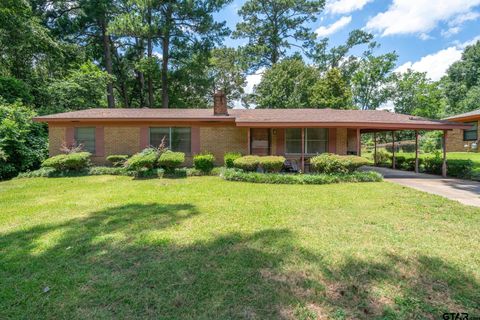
(276, 178)
(459, 168)
(68, 162)
(170, 160)
(383, 158)
(204, 162)
(230, 157)
(329, 163)
(247, 163)
(145, 159)
(146, 173)
(113, 171)
(117, 160)
(272, 164)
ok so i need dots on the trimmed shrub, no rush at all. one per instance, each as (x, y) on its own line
(247, 163)
(115, 171)
(69, 162)
(146, 173)
(272, 164)
(405, 163)
(204, 162)
(230, 157)
(170, 160)
(460, 168)
(145, 159)
(276, 178)
(117, 160)
(383, 157)
(44, 172)
(331, 163)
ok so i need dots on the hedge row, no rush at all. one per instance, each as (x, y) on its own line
(329, 163)
(269, 164)
(460, 168)
(275, 178)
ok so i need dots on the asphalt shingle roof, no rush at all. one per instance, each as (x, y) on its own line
(247, 116)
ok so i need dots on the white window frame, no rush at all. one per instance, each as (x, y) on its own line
(169, 137)
(305, 141)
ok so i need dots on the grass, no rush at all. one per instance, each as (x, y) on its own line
(200, 248)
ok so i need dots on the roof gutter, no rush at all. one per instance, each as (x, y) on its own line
(211, 119)
(360, 125)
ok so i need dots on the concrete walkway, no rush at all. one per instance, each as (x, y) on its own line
(463, 191)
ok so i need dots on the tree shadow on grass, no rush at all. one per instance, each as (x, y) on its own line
(396, 287)
(119, 263)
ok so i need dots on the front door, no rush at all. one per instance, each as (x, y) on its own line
(260, 141)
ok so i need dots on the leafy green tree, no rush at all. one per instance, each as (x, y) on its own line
(462, 82)
(83, 88)
(288, 84)
(338, 57)
(332, 91)
(23, 143)
(12, 89)
(227, 70)
(24, 42)
(371, 81)
(416, 95)
(141, 21)
(274, 26)
(83, 23)
(190, 83)
(183, 28)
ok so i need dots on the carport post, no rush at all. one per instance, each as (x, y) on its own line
(416, 151)
(393, 150)
(444, 164)
(375, 148)
(303, 151)
(359, 143)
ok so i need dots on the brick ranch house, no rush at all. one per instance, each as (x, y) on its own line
(462, 140)
(296, 134)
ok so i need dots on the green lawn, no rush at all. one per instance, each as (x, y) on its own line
(201, 248)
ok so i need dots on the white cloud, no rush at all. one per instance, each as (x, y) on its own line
(455, 25)
(157, 54)
(252, 80)
(325, 31)
(387, 106)
(436, 64)
(469, 42)
(345, 6)
(470, 16)
(418, 16)
(451, 32)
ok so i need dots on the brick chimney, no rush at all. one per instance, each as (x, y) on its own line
(220, 104)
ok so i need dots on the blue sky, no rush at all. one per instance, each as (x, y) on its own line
(428, 35)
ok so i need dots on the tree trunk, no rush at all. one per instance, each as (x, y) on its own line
(165, 53)
(107, 54)
(121, 76)
(140, 77)
(149, 55)
(149, 81)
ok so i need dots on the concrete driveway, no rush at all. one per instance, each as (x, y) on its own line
(463, 191)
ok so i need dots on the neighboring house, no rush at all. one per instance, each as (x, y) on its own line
(294, 133)
(462, 140)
